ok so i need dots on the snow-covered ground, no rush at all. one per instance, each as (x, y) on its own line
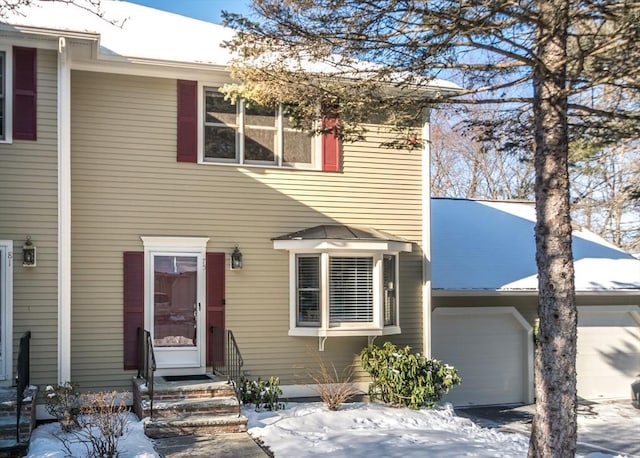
(356, 430)
(45, 444)
(364, 430)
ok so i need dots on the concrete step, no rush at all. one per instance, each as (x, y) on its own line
(185, 390)
(190, 424)
(168, 408)
(8, 427)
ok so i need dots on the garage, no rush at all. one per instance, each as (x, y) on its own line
(608, 358)
(492, 348)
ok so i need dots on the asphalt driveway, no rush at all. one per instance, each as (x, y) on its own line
(609, 427)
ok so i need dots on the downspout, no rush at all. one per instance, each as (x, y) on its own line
(64, 213)
(426, 234)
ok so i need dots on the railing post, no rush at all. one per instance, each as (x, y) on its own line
(23, 377)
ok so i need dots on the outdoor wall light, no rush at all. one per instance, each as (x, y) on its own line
(236, 259)
(28, 253)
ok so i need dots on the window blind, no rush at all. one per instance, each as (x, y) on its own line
(351, 289)
(308, 291)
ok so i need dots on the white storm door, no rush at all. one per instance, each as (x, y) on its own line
(175, 309)
(6, 307)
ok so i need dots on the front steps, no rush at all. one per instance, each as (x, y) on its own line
(191, 407)
(9, 447)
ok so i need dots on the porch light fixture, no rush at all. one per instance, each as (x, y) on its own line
(28, 253)
(236, 259)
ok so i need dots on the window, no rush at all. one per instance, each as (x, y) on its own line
(343, 292)
(252, 134)
(350, 290)
(308, 290)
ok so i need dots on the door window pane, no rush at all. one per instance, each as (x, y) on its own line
(175, 301)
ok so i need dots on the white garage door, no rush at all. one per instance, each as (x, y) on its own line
(492, 349)
(608, 351)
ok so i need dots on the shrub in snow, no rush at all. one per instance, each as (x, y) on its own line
(264, 395)
(333, 387)
(402, 378)
(96, 421)
(63, 403)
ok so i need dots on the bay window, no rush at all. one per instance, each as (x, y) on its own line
(343, 280)
(345, 294)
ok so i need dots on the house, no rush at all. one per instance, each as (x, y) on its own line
(484, 299)
(153, 203)
(134, 196)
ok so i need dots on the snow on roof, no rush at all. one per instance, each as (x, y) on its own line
(128, 30)
(132, 31)
(486, 245)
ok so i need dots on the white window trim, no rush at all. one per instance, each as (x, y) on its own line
(8, 94)
(316, 147)
(326, 329)
(6, 309)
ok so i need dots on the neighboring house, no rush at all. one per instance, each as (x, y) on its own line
(136, 181)
(484, 288)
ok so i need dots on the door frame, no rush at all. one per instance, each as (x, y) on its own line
(177, 246)
(6, 311)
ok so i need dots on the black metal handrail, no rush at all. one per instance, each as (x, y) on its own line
(227, 363)
(23, 377)
(146, 363)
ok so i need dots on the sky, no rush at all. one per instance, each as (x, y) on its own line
(205, 10)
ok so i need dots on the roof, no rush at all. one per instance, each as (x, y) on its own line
(489, 246)
(339, 232)
(131, 31)
(128, 31)
(341, 237)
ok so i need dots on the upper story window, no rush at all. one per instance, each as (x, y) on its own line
(245, 133)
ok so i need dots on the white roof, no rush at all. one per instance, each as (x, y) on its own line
(132, 31)
(129, 31)
(486, 245)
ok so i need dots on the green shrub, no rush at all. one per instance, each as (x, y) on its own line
(402, 378)
(264, 395)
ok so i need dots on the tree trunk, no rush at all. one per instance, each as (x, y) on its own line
(554, 430)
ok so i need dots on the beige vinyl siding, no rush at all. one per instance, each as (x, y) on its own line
(127, 183)
(29, 206)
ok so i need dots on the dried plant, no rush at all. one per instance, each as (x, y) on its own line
(333, 387)
(101, 422)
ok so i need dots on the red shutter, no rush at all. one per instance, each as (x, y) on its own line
(24, 93)
(331, 157)
(133, 316)
(215, 307)
(187, 121)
